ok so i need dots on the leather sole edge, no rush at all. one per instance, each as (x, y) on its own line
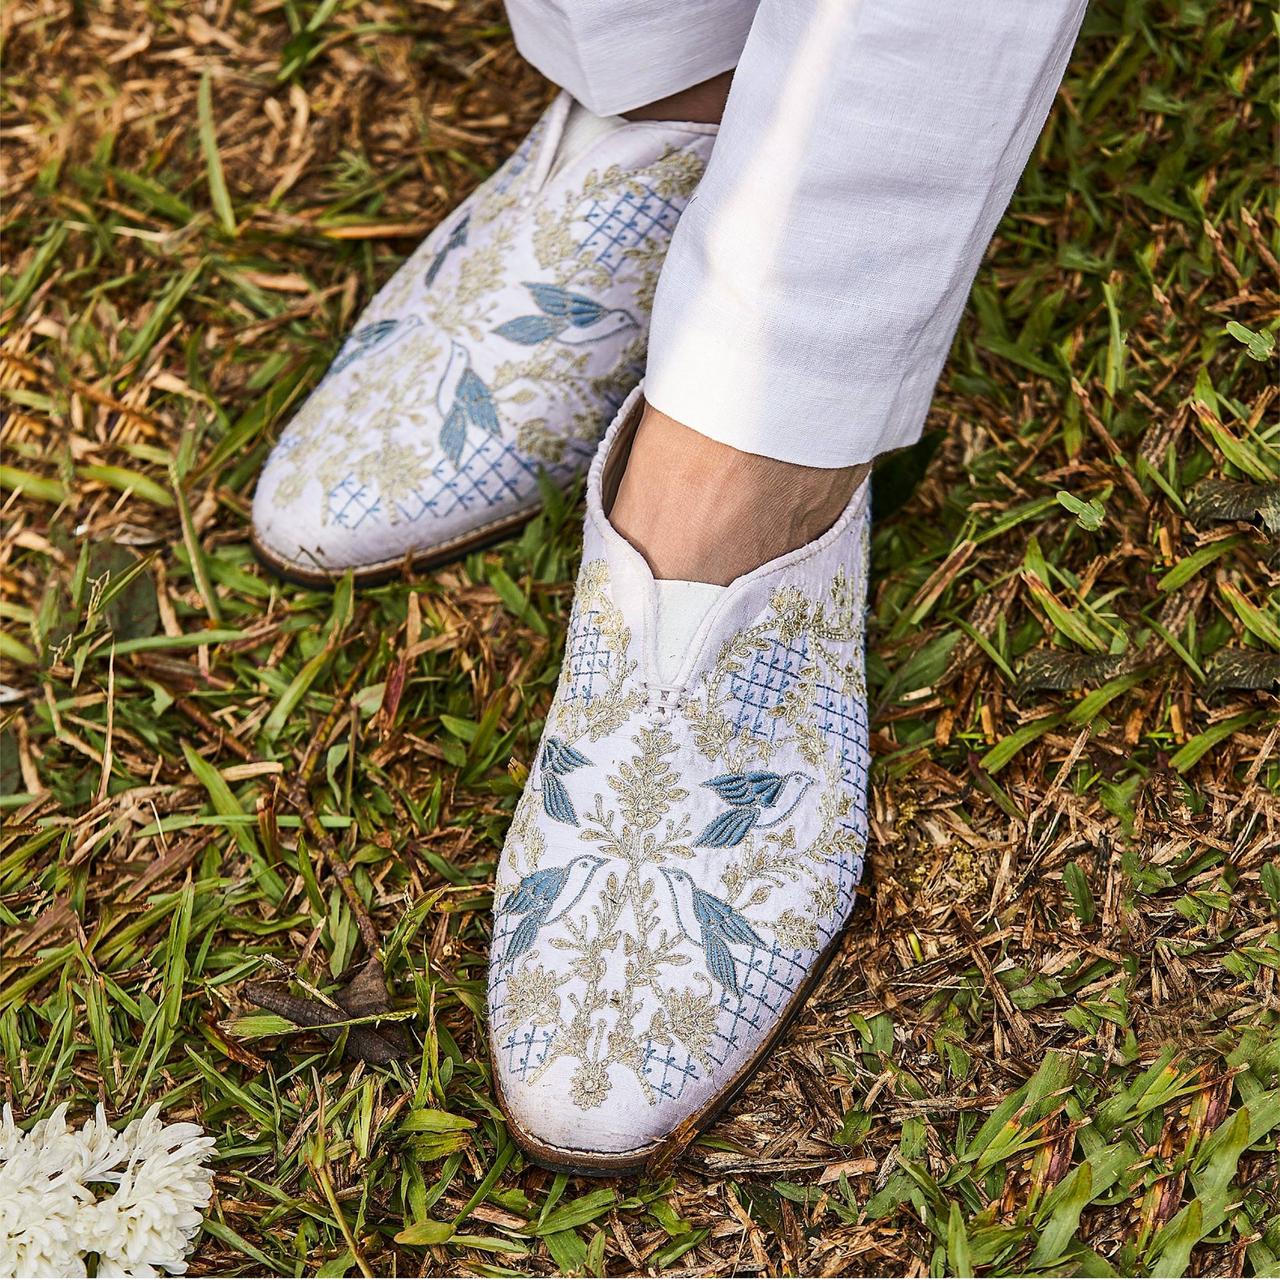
(382, 571)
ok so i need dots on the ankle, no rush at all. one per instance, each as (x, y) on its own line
(700, 511)
(699, 104)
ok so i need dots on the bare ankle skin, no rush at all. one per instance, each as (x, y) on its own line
(700, 103)
(700, 511)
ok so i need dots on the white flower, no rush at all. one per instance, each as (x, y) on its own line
(37, 1227)
(51, 1217)
(40, 1199)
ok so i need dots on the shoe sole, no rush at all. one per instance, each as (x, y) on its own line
(656, 1157)
(388, 570)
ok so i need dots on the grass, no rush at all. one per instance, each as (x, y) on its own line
(1049, 1045)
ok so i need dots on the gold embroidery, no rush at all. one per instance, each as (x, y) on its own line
(642, 824)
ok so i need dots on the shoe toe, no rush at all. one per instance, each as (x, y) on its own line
(604, 1073)
(287, 527)
(340, 489)
(577, 1114)
(307, 525)
(605, 1046)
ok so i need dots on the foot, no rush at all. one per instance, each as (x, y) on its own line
(700, 511)
(500, 349)
(703, 102)
(686, 850)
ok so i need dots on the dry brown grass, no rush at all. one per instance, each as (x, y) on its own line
(1065, 968)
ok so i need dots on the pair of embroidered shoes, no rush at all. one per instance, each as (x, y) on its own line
(688, 845)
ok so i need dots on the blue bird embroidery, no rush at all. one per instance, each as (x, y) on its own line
(463, 400)
(719, 925)
(538, 892)
(567, 317)
(559, 758)
(457, 238)
(748, 795)
(375, 336)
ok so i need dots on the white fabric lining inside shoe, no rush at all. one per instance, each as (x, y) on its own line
(581, 130)
(681, 608)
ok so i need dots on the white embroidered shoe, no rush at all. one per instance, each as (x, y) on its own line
(687, 846)
(502, 347)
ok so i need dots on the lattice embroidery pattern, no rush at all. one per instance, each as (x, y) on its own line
(352, 502)
(492, 473)
(772, 977)
(842, 720)
(759, 690)
(528, 1049)
(667, 1070)
(629, 221)
(586, 658)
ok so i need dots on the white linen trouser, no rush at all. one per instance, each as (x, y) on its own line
(868, 149)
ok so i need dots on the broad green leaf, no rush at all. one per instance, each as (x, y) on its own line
(39, 487)
(958, 1256)
(567, 1251)
(1185, 569)
(1063, 1205)
(1258, 346)
(1202, 743)
(1089, 514)
(434, 1121)
(127, 481)
(577, 1212)
(423, 1233)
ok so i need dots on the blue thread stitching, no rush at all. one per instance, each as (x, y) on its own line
(351, 503)
(760, 689)
(536, 1043)
(492, 473)
(762, 988)
(586, 660)
(843, 721)
(676, 1073)
(628, 222)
